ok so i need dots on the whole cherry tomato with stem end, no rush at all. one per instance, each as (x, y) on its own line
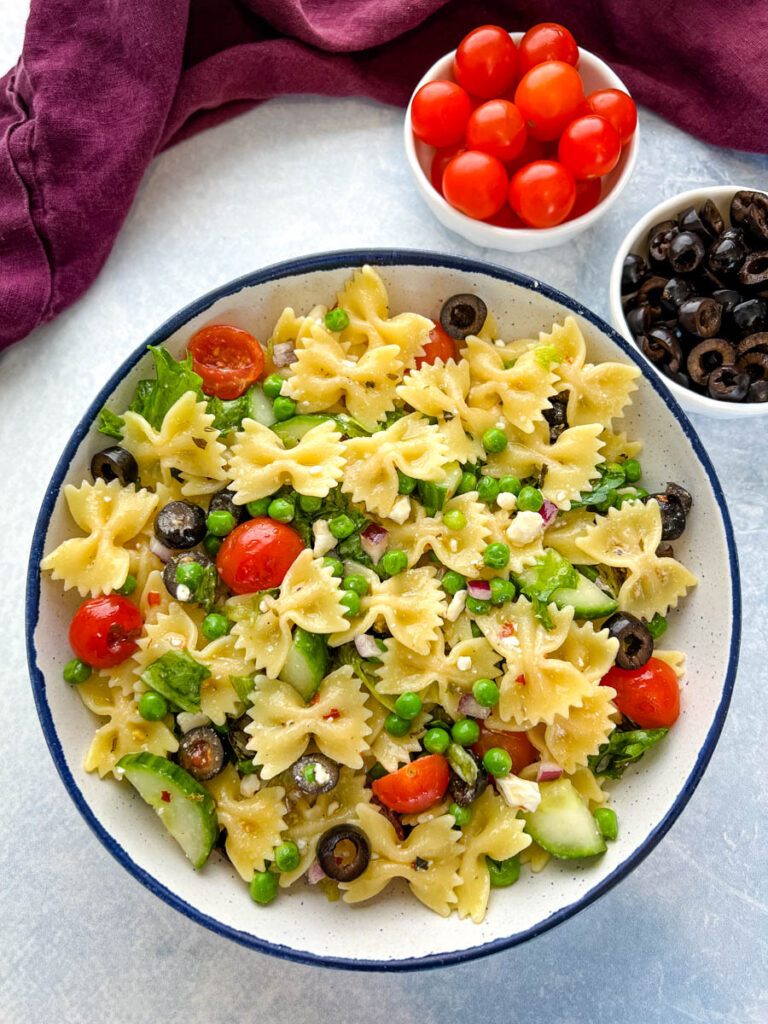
(497, 127)
(542, 193)
(439, 113)
(543, 42)
(440, 161)
(476, 184)
(257, 554)
(440, 346)
(589, 147)
(549, 97)
(587, 197)
(615, 106)
(517, 745)
(104, 630)
(416, 786)
(649, 695)
(486, 62)
(227, 358)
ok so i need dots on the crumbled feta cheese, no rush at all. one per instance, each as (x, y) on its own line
(453, 544)
(250, 784)
(507, 501)
(501, 424)
(186, 720)
(464, 664)
(183, 592)
(263, 606)
(324, 539)
(525, 528)
(456, 607)
(500, 343)
(322, 775)
(332, 808)
(519, 792)
(401, 510)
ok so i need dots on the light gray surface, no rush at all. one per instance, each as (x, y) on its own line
(684, 938)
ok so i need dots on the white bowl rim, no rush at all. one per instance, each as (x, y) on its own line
(349, 259)
(692, 399)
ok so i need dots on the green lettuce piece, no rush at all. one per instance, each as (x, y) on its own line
(604, 492)
(547, 356)
(622, 749)
(243, 686)
(110, 423)
(551, 572)
(205, 592)
(364, 669)
(154, 398)
(177, 676)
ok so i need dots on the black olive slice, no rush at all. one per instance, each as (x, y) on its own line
(658, 240)
(754, 364)
(727, 253)
(690, 220)
(680, 494)
(661, 346)
(751, 316)
(180, 591)
(707, 356)
(223, 501)
(650, 292)
(633, 270)
(701, 316)
(201, 753)
(315, 774)
(557, 416)
(757, 341)
(757, 221)
(728, 298)
(742, 202)
(635, 642)
(676, 291)
(685, 252)
(464, 793)
(343, 852)
(678, 376)
(672, 515)
(639, 320)
(463, 315)
(758, 392)
(712, 218)
(239, 738)
(115, 463)
(754, 269)
(728, 384)
(180, 525)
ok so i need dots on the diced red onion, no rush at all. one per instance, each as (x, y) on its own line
(548, 511)
(283, 354)
(480, 589)
(469, 706)
(366, 646)
(373, 541)
(315, 873)
(162, 552)
(548, 771)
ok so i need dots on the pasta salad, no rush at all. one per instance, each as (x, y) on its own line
(380, 599)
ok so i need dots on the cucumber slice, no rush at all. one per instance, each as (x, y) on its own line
(563, 824)
(435, 493)
(307, 662)
(587, 599)
(184, 806)
(260, 407)
(291, 431)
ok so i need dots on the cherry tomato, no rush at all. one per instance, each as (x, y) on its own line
(517, 745)
(416, 786)
(485, 62)
(497, 127)
(532, 150)
(615, 106)
(440, 161)
(549, 96)
(439, 113)
(104, 630)
(506, 218)
(542, 193)
(227, 358)
(257, 554)
(543, 42)
(587, 197)
(648, 695)
(589, 147)
(475, 183)
(440, 346)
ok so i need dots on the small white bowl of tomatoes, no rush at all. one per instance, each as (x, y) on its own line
(520, 141)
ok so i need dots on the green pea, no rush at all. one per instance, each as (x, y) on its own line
(394, 562)
(190, 574)
(486, 693)
(640, 493)
(351, 602)
(467, 483)
(337, 569)
(309, 503)
(396, 726)
(496, 555)
(337, 319)
(408, 705)
(530, 499)
(281, 510)
(357, 583)
(287, 856)
(405, 484)
(436, 741)
(273, 385)
(657, 626)
(497, 762)
(632, 471)
(607, 822)
(453, 582)
(283, 408)
(152, 706)
(488, 490)
(76, 671)
(611, 501)
(494, 440)
(465, 732)
(462, 815)
(220, 522)
(259, 508)
(454, 519)
(128, 587)
(476, 606)
(215, 625)
(509, 485)
(263, 887)
(502, 590)
(503, 872)
(211, 545)
(341, 526)
(377, 771)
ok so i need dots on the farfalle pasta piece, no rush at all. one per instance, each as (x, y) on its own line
(254, 823)
(675, 660)
(174, 630)
(393, 751)
(295, 330)
(218, 697)
(564, 531)
(494, 831)
(260, 463)
(111, 515)
(435, 843)
(571, 739)
(592, 651)
(460, 550)
(463, 447)
(282, 724)
(411, 444)
(403, 671)
(412, 604)
(627, 538)
(523, 389)
(186, 442)
(440, 390)
(364, 298)
(310, 597)
(618, 447)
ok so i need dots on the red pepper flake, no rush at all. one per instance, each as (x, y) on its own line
(507, 629)
(153, 597)
(165, 796)
(315, 699)
(521, 679)
(332, 715)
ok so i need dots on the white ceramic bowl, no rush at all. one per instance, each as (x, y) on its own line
(636, 240)
(394, 931)
(596, 75)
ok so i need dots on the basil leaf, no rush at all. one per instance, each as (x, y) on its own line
(110, 423)
(623, 749)
(603, 493)
(177, 676)
(154, 398)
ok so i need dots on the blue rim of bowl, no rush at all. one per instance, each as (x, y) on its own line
(334, 261)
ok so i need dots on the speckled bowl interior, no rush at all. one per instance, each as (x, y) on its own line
(395, 931)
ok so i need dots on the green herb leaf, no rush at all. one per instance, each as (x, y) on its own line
(622, 749)
(243, 687)
(547, 356)
(552, 572)
(110, 423)
(350, 426)
(247, 767)
(154, 398)
(604, 493)
(177, 676)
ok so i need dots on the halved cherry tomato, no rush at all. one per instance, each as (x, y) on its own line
(227, 358)
(440, 346)
(549, 96)
(497, 127)
(517, 745)
(589, 147)
(485, 62)
(649, 695)
(615, 106)
(542, 193)
(416, 786)
(543, 42)
(587, 197)
(257, 554)
(104, 630)
(476, 184)
(440, 161)
(439, 113)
